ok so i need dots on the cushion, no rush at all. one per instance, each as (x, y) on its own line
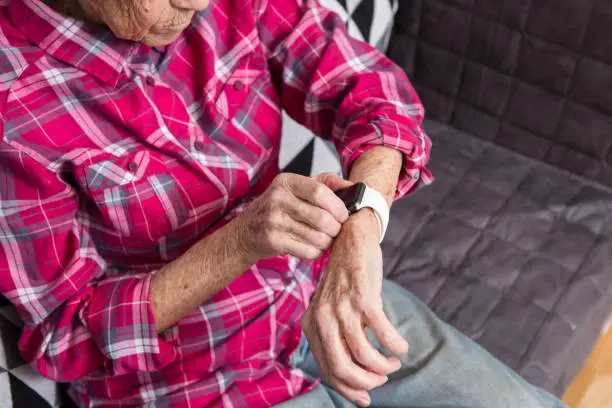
(513, 252)
(20, 385)
(367, 20)
(532, 75)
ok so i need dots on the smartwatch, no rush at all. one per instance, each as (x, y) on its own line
(360, 196)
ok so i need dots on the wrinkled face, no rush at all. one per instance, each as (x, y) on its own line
(152, 22)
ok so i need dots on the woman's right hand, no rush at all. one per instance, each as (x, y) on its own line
(296, 215)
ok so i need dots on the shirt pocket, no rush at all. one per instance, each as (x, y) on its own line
(117, 171)
(239, 88)
(136, 196)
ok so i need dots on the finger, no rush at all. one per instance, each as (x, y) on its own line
(365, 354)
(301, 250)
(316, 217)
(333, 181)
(308, 235)
(384, 331)
(316, 347)
(338, 357)
(361, 397)
(317, 194)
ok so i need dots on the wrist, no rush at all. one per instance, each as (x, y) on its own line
(366, 221)
(236, 245)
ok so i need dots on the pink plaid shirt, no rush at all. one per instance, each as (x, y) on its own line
(115, 158)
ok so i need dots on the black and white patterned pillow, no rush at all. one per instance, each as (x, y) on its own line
(20, 385)
(367, 20)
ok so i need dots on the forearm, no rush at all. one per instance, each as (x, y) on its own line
(379, 168)
(199, 274)
(217, 260)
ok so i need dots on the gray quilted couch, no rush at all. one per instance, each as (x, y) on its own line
(513, 242)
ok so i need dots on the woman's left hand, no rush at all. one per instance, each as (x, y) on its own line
(347, 300)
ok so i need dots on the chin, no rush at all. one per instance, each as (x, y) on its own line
(161, 39)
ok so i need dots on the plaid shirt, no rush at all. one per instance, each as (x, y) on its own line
(115, 158)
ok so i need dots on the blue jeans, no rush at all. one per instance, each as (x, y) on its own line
(443, 369)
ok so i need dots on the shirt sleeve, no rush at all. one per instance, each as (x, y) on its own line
(80, 318)
(342, 89)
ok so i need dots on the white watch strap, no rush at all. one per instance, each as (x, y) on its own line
(374, 200)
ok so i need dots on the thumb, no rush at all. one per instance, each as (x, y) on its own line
(333, 181)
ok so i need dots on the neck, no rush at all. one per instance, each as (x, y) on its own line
(70, 8)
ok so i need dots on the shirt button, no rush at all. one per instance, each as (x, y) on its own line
(238, 85)
(198, 145)
(133, 167)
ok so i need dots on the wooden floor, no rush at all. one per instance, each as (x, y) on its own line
(593, 386)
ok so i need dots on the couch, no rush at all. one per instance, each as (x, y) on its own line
(513, 242)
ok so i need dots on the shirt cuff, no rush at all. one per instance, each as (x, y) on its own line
(122, 325)
(410, 140)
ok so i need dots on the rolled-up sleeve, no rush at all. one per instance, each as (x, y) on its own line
(80, 318)
(343, 89)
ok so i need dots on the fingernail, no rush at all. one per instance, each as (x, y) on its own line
(364, 402)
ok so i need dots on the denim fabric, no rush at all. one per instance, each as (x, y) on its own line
(443, 369)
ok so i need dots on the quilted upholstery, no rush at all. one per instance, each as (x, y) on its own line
(513, 252)
(512, 244)
(531, 75)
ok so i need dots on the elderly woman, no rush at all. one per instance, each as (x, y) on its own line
(155, 254)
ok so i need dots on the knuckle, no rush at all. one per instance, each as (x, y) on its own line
(330, 223)
(331, 379)
(344, 308)
(316, 253)
(316, 218)
(336, 371)
(270, 220)
(278, 183)
(274, 217)
(372, 309)
(286, 179)
(277, 217)
(312, 253)
(321, 240)
(280, 179)
(276, 195)
(318, 191)
(320, 318)
(335, 228)
(341, 372)
(327, 242)
(361, 354)
(361, 303)
(325, 178)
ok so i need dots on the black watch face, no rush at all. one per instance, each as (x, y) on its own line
(352, 196)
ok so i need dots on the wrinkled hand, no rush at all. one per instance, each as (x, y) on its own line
(297, 216)
(348, 300)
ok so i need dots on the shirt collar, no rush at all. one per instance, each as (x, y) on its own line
(90, 48)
